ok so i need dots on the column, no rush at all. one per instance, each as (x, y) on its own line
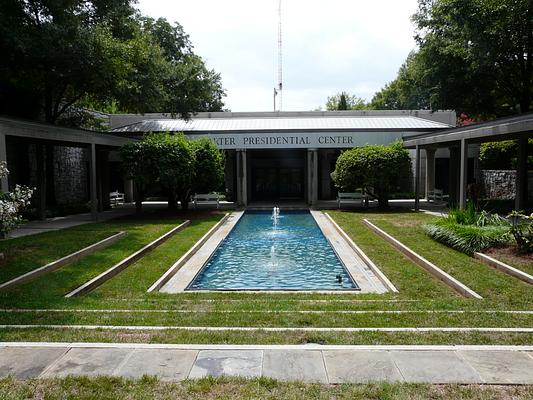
(463, 174)
(314, 177)
(3, 157)
(240, 160)
(417, 178)
(453, 178)
(430, 171)
(521, 175)
(244, 179)
(128, 190)
(92, 180)
(40, 150)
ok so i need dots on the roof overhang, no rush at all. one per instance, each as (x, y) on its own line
(497, 130)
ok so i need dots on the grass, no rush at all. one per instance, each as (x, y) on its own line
(510, 256)
(239, 388)
(419, 291)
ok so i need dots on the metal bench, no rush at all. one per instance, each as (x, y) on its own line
(437, 195)
(116, 198)
(351, 198)
(206, 199)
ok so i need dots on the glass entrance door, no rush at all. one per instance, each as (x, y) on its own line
(277, 183)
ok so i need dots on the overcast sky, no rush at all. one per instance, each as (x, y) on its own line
(328, 46)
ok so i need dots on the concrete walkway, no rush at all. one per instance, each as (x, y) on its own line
(54, 224)
(312, 363)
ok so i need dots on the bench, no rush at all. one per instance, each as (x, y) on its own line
(437, 195)
(116, 198)
(351, 198)
(206, 199)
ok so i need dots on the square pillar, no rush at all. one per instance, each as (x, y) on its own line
(128, 191)
(521, 198)
(3, 157)
(312, 176)
(92, 180)
(417, 178)
(463, 174)
(242, 182)
(430, 171)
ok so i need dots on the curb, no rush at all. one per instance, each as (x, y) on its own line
(421, 261)
(114, 270)
(506, 269)
(61, 262)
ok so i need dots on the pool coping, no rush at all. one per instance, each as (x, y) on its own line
(182, 273)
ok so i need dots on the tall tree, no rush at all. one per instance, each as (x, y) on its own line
(478, 53)
(61, 53)
(345, 101)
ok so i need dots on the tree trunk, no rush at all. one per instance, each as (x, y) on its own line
(138, 200)
(383, 201)
(184, 199)
(172, 200)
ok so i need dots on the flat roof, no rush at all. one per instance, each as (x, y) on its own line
(498, 129)
(284, 124)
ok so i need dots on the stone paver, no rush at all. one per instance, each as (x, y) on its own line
(434, 367)
(300, 365)
(332, 364)
(165, 364)
(24, 363)
(88, 361)
(360, 366)
(501, 367)
(246, 363)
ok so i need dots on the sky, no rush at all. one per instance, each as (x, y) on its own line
(328, 46)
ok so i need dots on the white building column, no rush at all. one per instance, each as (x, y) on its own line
(3, 157)
(312, 176)
(92, 179)
(430, 171)
(463, 174)
(242, 182)
(417, 178)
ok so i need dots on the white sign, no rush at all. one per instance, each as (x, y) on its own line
(299, 140)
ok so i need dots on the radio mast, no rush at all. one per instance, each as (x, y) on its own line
(278, 91)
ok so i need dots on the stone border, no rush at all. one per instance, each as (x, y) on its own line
(102, 244)
(421, 261)
(178, 264)
(380, 275)
(270, 328)
(505, 268)
(115, 269)
(308, 346)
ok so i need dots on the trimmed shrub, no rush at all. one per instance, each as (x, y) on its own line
(467, 238)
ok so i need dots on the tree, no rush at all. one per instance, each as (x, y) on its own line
(208, 166)
(478, 54)
(375, 168)
(409, 91)
(345, 101)
(59, 53)
(178, 165)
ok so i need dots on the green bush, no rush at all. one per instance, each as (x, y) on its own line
(468, 230)
(376, 168)
(522, 231)
(467, 238)
(502, 155)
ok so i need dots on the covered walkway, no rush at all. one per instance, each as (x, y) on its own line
(458, 140)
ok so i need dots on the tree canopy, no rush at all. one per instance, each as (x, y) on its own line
(63, 54)
(345, 101)
(474, 56)
(377, 169)
(178, 165)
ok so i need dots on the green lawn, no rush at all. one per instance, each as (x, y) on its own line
(238, 388)
(433, 301)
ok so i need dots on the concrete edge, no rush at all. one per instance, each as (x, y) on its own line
(421, 261)
(381, 276)
(505, 268)
(270, 328)
(61, 262)
(183, 259)
(115, 269)
(268, 347)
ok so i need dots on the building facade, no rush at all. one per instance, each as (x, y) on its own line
(288, 156)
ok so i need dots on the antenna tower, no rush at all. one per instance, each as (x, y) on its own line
(280, 63)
